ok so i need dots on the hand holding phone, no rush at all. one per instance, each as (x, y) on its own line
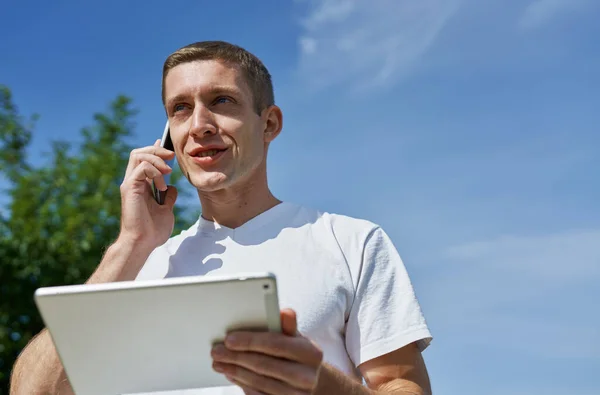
(143, 221)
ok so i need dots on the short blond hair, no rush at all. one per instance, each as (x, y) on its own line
(256, 74)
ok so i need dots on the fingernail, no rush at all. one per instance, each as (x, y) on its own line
(219, 349)
(218, 367)
(231, 340)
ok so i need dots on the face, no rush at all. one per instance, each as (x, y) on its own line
(219, 139)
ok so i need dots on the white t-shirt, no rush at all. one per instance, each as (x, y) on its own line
(342, 276)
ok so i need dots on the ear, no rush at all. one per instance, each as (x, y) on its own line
(273, 122)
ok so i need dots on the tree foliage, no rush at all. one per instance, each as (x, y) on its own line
(60, 217)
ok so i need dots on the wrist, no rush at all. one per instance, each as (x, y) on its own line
(135, 239)
(134, 244)
(122, 261)
(332, 381)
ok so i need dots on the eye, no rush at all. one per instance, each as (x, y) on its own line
(222, 100)
(178, 107)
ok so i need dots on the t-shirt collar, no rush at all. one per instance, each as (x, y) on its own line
(206, 226)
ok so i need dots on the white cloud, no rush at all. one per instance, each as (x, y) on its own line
(558, 258)
(308, 45)
(367, 43)
(541, 12)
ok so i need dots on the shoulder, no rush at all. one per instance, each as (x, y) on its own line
(346, 228)
(351, 234)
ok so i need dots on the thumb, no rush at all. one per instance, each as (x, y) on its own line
(171, 196)
(289, 324)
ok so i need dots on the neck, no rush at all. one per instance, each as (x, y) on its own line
(233, 207)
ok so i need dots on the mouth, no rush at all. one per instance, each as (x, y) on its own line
(210, 152)
(208, 156)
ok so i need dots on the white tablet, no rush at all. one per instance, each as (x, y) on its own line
(145, 336)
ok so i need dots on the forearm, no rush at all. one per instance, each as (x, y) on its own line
(38, 369)
(122, 262)
(333, 382)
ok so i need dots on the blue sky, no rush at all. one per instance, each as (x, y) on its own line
(465, 128)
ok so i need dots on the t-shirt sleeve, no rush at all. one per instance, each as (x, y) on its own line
(385, 314)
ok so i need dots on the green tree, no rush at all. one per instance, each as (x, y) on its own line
(61, 217)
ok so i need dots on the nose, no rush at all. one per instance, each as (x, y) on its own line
(203, 122)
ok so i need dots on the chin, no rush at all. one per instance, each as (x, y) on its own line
(209, 182)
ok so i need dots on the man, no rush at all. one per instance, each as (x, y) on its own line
(351, 314)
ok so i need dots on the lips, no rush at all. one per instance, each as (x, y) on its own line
(208, 155)
(206, 151)
(210, 152)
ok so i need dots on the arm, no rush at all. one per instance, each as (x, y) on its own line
(289, 363)
(38, 368)
(144, 226)
(401, 372)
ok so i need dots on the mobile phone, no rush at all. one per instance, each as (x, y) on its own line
(167, 143)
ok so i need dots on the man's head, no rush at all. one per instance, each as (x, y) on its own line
(255, 73)
(220, 103)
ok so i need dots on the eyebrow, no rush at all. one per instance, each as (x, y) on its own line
(213, 90)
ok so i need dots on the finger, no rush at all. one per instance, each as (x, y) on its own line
(292, 373)
(156, 161)
(138, 156)
(247, 390)
(146, 171)
(159, 164)
(160, 183)
(254, 381)
(171, 196)
(153, 150)
(289, 324)
(298, 348)
(250, 391)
